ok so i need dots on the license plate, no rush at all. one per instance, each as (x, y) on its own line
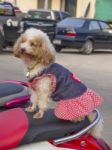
(57, 42)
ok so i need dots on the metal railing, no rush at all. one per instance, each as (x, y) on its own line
(80, 133)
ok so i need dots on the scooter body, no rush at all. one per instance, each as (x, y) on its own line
(18, 127)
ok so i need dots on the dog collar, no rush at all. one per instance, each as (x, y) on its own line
(30, 79)
(28, 75)
(36, 75)
(29, 69)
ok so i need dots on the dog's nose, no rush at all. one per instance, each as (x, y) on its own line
(23, 49)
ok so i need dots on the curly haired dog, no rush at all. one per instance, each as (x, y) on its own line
(51, 81)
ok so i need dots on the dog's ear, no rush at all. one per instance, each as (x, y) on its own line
(16, 47)
(47, 52)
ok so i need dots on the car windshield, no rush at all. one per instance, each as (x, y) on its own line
(6, 9)
(77, 23)
(39, 14)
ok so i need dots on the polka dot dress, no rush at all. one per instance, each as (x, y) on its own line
(74, 109)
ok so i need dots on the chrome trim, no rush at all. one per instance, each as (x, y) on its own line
(77, 135)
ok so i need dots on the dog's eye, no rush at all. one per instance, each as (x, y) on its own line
(32, 44)
(23, 40)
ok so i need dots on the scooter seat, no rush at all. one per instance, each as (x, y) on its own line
(9, 91)
(50, 127)
(18, 127)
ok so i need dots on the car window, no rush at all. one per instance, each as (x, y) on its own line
(77, 23)
(94, 25)
(57, 16)
(104, 25)
(40, 14)
(6, 9)
(65, 15)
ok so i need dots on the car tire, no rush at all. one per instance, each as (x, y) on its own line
(58, 48)
(87, 47)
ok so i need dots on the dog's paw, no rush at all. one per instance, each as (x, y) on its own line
(29, 109)
(38, 115)
(78, 120)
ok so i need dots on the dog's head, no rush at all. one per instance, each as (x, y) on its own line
(35, 45)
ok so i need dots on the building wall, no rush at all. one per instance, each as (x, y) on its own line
(25, 5)
(82, 6)
(56, 4)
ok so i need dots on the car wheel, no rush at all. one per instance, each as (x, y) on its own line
(87, 47)
(58, 48)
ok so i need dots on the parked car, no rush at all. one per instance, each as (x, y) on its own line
(9, 24)
(46, 25)
(84, 34)
(47, 14)
(19, 13)
(44, 20)
(17, 9)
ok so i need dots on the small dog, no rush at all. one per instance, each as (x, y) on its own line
(51, 81)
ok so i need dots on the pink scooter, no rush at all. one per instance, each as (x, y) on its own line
(18, 127)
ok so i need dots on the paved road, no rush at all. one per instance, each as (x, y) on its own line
(95, 70)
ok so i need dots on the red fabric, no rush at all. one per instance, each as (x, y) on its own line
(75, 78)
(74, 109)
(13, 126)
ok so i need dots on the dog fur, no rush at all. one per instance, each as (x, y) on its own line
(35, 49)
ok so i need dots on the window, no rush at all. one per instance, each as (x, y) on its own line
(57, 16)
(64, 15)
(70, 6)
(49, 4)
(41, 3)
(94, 25)
(44, 4)
(40, 14)
(77, 23)
(104, 26)
(6, 9)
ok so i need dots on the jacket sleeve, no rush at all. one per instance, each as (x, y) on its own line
(50, 76)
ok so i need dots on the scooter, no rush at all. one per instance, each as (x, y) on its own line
(18, 128)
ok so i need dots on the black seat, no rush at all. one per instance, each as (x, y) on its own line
(9, 91)
(18, 126)
(50, 127)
